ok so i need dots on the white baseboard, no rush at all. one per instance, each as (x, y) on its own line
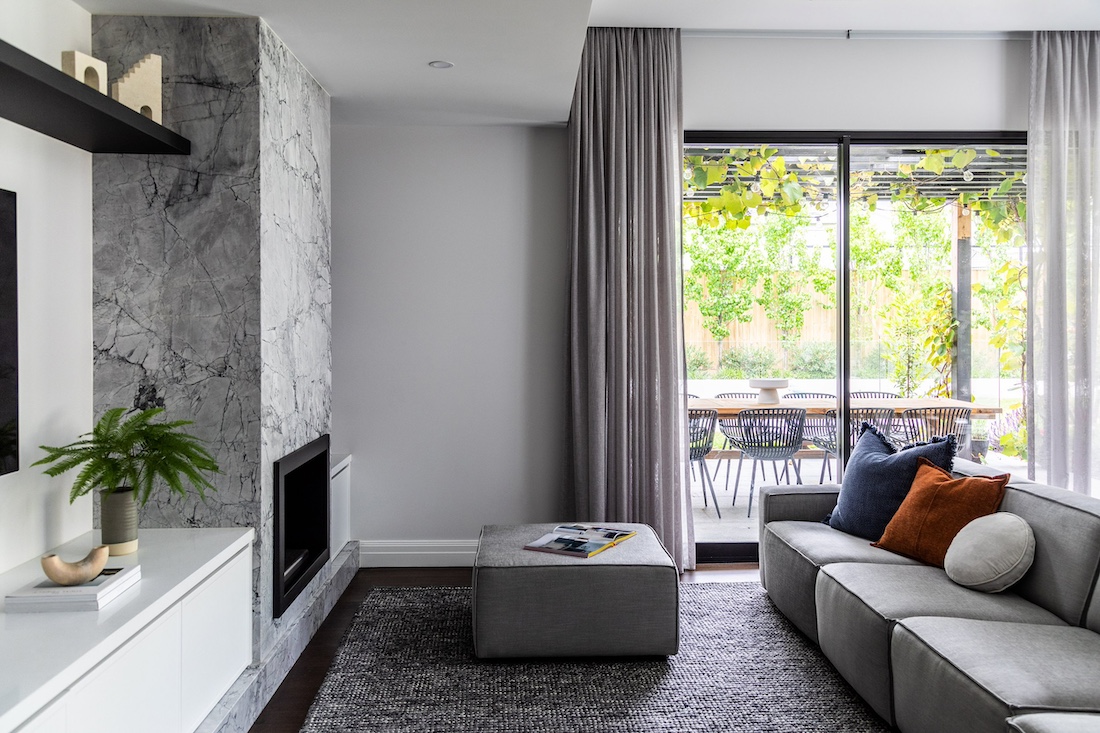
(417, 553)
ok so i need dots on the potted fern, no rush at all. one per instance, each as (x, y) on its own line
(123, 458)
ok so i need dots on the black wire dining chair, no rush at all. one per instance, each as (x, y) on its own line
(700, 440)
(881, 417)
(769, 434)
(924, 423)
(728, 426)
(815, 424)
(897, 426)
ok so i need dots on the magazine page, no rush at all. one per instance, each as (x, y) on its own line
(577, 546)
(603, 533)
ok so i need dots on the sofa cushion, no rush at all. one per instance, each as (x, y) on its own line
(1055, 723)
(1067, 549)
(797, 502)
(794, 552)
(980, 672)
(859, 603)
(937, 506)
(991, 553)
(878, 477)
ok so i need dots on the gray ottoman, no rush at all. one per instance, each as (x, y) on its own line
(623, 601)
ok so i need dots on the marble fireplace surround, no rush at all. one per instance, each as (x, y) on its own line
(211, 291)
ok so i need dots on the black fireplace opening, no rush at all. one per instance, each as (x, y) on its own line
(301, 520)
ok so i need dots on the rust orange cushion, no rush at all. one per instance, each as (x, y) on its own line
(936, 508)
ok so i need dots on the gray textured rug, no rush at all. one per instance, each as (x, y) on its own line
(406, 664)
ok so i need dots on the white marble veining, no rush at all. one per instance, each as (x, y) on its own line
(211, 277)
(295, 289)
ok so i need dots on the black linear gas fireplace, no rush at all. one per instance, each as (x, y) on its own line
(301, 520)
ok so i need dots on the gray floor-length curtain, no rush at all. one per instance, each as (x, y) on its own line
(628, 459)
(1063, 197)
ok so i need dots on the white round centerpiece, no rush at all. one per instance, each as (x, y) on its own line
(769, 390)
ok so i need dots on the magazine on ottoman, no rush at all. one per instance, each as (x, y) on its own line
(579, 540)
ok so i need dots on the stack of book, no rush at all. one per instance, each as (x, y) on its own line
(46, 595)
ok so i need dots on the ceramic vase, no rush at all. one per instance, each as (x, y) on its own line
(119, 520)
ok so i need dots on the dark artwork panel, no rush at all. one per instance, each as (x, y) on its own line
(9, 338)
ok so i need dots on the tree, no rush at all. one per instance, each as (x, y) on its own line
(722, 269)
(794, 273)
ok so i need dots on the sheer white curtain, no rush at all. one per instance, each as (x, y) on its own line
(626, 324)
(1064, 258)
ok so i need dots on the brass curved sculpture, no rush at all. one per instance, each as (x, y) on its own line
(75, 573)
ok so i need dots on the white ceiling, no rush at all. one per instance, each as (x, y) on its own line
(516, 60)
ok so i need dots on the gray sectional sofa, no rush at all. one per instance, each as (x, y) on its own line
(931, 656)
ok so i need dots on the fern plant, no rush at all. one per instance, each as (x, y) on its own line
(133, 453)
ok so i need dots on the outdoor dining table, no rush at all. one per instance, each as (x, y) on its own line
(730, 407)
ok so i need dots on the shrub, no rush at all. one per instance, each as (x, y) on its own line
(746, 362)
(868, 361)
(699, 365)
(815, 360)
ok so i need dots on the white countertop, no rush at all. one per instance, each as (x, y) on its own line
(41, 654)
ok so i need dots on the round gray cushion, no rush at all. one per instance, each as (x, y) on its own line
(991, 553)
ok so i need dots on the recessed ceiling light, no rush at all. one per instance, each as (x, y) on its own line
(440, 64)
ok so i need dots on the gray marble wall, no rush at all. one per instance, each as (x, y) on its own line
(211, 271)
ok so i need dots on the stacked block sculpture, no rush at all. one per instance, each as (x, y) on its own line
(83, 67)
(139, 88)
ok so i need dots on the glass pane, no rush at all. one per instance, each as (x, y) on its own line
(938, 286)
(759, 235)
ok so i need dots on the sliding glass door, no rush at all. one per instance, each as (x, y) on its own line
(863, 266)
(760, 245)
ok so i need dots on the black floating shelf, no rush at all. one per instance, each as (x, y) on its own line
(36, 95)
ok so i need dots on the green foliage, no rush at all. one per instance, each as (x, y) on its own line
(723, 268)
(757, 181)
(921, 333)
(868, 361)
(1008, 434)
(698, 363)
(942, 338)
(728, 190)
(133, 453)
(728, 271)
(904, 352)
(1003, 298)
(814, 360)
(794, 273)
(747, 362)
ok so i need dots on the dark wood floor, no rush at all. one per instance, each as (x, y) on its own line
(287, 709)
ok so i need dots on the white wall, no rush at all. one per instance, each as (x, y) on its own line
(53, 184)
(797, 84)
(450, 265)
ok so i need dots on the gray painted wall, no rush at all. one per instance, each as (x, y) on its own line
(450, 289)
(211, 271)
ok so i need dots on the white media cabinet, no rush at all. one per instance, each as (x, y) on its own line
(156, 659)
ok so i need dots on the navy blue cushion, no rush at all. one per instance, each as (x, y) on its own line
(878, 477)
